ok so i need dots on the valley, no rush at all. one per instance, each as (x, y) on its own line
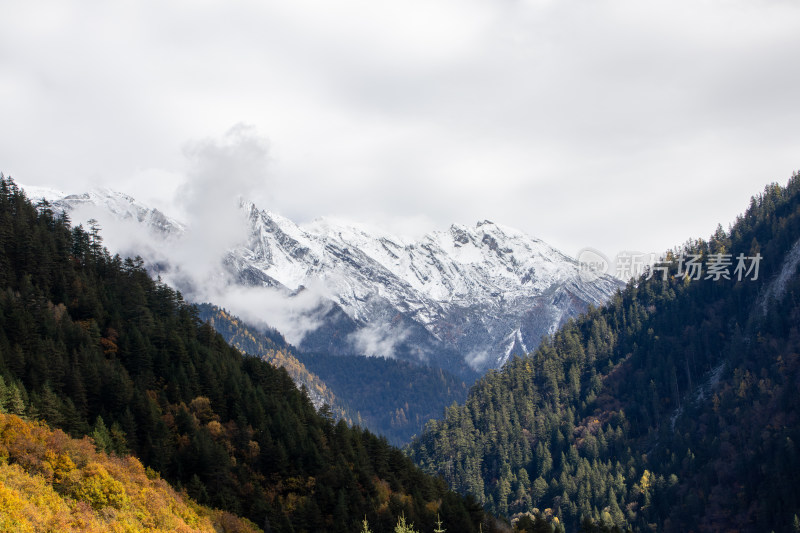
(671, 407)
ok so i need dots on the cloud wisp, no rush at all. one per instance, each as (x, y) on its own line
(221, 172)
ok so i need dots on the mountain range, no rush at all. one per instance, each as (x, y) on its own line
(463, 300)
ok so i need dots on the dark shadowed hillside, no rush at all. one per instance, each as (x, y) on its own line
(389, 397)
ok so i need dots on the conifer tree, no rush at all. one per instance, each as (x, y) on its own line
(439, 528)
(101, 436)
(403, 527)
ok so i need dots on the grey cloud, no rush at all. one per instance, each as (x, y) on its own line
(447, 111)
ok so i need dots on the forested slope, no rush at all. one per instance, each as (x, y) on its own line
(270, 346)
(673, 408)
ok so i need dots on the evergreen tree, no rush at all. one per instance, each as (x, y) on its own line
(403, 527)
(365, 526)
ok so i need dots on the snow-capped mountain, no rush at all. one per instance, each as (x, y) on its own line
(485, 292)
(104, 202)
(464, 299)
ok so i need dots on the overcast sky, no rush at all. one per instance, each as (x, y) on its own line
(619, 124)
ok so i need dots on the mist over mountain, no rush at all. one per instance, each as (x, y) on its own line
(464, 299)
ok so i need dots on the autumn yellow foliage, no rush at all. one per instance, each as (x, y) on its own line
(51, 482)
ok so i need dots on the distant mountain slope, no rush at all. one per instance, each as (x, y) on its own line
(49, 482)
(91, 344)
(464, 300)
(271, 347)
(391, 398)
(672, 408)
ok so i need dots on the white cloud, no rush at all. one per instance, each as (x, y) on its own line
(375, 340)
(477, 359)
(293, 316)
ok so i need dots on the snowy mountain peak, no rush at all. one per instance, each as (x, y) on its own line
(36, 194)
(101, 202)
(486, 284)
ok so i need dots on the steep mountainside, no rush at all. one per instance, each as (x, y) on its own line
(464, 300)
(91, 344)
(270, 346)
(673, 408)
